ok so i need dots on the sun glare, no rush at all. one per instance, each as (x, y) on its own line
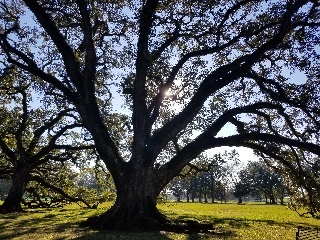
(168, 93)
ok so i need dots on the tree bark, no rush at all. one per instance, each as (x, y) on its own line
(12, 203)
(135, 207)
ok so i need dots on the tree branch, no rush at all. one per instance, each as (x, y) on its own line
(45, 184)
(143, 61)
(70, 61)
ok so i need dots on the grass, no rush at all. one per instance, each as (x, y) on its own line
(231, 221)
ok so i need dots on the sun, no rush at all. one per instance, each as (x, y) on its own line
(168, 93)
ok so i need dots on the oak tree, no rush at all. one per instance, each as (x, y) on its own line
(183, 70)
(32, 136)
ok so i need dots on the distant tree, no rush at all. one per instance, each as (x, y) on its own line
(301, 176)
(241, 189)
(192, 189)
(257, 177)
(207, 177)
(177, 188)
(96, 184)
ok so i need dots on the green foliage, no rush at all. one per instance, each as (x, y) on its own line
(63, 184)
(302, 178)
(258, 179)
(206, 178)
(95, 185)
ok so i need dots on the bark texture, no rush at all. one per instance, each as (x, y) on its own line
(13, 201)
(135, 208)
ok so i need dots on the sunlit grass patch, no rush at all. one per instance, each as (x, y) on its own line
(246, 221)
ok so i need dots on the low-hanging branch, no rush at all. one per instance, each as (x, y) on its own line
(58, 190)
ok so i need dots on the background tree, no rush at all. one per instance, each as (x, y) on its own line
(301, 177)
(258, 178)
(53, 184)
(186, 70)
(31, 135)
(96, 184)
(242, 189)
(206, 177)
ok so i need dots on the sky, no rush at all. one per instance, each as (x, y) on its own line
(245, 153)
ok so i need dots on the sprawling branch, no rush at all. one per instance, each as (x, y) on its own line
(58, 190)
(70, 61)
(48, 125)
(52, 145)
(86, 101)
(220, 78)
(32, 67)
(89, 73)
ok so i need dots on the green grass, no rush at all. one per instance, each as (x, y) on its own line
(231, 221)
(246, 221)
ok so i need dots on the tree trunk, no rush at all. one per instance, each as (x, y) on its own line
(135, 207)
(193, 195)
(282, 196)
(12, 203)
(212, 189)
(205, 195)
(200, 196)
(272, 199)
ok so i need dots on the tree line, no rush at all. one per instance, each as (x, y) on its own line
(254, 180)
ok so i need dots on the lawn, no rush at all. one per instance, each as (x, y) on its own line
(231, 221)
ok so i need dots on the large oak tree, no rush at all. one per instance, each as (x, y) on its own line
(184, 70)
(32, 136)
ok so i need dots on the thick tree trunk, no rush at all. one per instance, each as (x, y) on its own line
(135, 208)
(13, 201)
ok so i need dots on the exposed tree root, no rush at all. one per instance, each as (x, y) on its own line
(108, 221)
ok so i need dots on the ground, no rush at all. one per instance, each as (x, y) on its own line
(231, 221)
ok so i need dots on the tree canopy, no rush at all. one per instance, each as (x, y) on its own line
(182, 70)
(258, 179)
(32, 134)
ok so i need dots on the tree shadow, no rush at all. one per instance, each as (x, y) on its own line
(193, 227)
(113, 235)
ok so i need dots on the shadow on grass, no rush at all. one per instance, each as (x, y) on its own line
(113, 235)
(37, 224)
(234, 222)
(162, 235)
(64, 225)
